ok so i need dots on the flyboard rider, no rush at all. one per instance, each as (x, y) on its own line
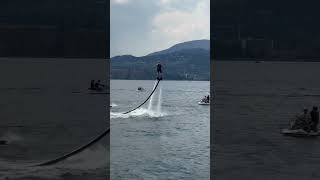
(159, 71)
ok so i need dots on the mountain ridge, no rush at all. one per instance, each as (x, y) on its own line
(184, 61)
(195, 44)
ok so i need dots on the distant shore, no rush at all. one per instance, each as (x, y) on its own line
(287, 59)
(155, 79)
(51, 58)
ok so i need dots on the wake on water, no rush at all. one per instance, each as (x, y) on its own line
(113, 105)
(138, 112)
(89, 160)
(151, 111)
(11, 137)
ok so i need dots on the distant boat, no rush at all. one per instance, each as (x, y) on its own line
(140, 89)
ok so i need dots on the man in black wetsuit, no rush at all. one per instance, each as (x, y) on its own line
(314, 119)
(159, 71)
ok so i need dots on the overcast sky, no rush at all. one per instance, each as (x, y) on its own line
(140, 27)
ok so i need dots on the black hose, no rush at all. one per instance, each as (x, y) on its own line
(54, 161)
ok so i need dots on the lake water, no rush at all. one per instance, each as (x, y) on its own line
(46, 111)
(253, 102)
(166, 140)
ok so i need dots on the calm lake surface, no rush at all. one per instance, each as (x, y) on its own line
(253, 102)
(168, 139)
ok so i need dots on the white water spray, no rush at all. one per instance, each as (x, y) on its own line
(159, 101)
(151, 99)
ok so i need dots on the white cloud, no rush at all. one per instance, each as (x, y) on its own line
(119, 1)
(175, 25)
(165, 1)
(140, 27)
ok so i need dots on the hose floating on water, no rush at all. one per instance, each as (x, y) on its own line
(54, 161)
(82, 148)
(146, 99)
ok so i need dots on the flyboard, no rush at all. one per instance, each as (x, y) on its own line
(299, 133)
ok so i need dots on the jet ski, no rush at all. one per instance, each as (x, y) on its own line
(300, 126)
(299, 133)
(97, 88)
(97, 91)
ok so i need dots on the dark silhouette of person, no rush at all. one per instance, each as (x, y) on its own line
(92, 84)
(306, 121)
(314, 119)
(98, 85)
(159, 71)
(208, 98)
(302, 121)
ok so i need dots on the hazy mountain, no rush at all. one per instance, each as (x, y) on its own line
(196, 44)
(185, 61)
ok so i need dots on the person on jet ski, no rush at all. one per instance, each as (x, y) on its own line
(98, 85)
(92, 84)
(204, 99)
(208, 99)
(314, 114)
(302, 121)
(159, 71)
